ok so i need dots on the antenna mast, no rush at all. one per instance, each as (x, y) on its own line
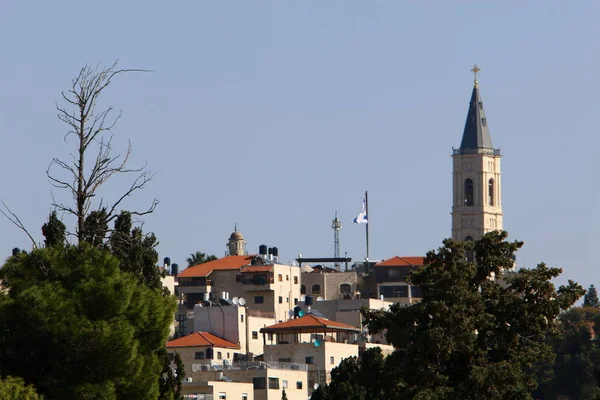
(336, 225)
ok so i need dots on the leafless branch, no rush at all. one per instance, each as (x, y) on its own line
(92, 129)
(12, 217)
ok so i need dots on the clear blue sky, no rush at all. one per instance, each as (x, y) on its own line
(273, 114)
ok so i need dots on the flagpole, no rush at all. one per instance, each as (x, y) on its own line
(367, 224)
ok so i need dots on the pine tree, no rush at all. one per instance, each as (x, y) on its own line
(591, 298)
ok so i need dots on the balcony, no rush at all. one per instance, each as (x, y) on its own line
(257, 282)
(491, 152)
(212, 365)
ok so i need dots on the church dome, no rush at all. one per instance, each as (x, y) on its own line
(236, 236)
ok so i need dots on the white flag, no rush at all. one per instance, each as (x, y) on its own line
(362, 217)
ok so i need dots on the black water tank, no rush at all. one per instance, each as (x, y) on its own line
(167, 261)
(308, 300)
(270, 250)
(262, 249)
(275, 252)
(174, 269)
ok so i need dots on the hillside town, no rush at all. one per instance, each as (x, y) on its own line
(249, 327)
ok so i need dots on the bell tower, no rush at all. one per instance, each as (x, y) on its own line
(477, 194)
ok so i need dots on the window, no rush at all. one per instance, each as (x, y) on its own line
(295, 280)
(483, 122)
(287, 360)
(219, 355)
(222, 396)
(316, 289)
(270, 336)
(416, 292)
(393, 291)
(393, 273)
(273, 383)
(480, 105)
(259, 383)
(279, 278)
(254, 335)
(331, 360)
(238, 278)
(295, 301)
(469, 192)
(280, 299)
(209, 354)
(491, 192)
(287, 277)
(298, 384)
(345, 288)
(228, 355)
(303, 289)
(259, 299)
(284, 384)
(199, 355)
(242, 318)
(310, 360)
(244, 396)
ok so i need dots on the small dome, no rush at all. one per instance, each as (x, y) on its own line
(236, 236)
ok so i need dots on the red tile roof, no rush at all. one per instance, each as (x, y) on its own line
(225, 263)
(202, 339)
(309, 323)
(402, 262)
(258, 268)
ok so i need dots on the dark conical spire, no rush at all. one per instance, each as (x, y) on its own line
(476, 134)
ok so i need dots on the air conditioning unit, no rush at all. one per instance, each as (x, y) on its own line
(189, 379)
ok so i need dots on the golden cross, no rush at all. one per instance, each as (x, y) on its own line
(475, 70)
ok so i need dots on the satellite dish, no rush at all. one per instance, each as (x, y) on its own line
(316, 386)
(301, 313)
(242, 301)
(235, 300)
(291, 313)
(302, 298)
(317, 343)
(320, 298)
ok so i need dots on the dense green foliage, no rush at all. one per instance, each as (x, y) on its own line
(471, 337)
(591, 298)
(77, 327)
(136, 251)
(54, 231)
(573, 372)
(199, 258)
(15, 389)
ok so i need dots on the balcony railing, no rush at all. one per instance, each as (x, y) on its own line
(211, 365)
(479, 150)
(197, 396)
(257, 281)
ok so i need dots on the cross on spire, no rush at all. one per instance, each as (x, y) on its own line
(475, 70)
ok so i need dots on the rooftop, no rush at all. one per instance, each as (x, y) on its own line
(225, 263)
(309, 323)
(398, 261)
(257, 268)
(202, 339)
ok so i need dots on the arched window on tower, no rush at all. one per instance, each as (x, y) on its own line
(470, 255)
(469, 192)
(491, 192)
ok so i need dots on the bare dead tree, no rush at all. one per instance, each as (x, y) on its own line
(92, 130)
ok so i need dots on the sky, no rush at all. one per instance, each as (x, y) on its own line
(272, 115)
